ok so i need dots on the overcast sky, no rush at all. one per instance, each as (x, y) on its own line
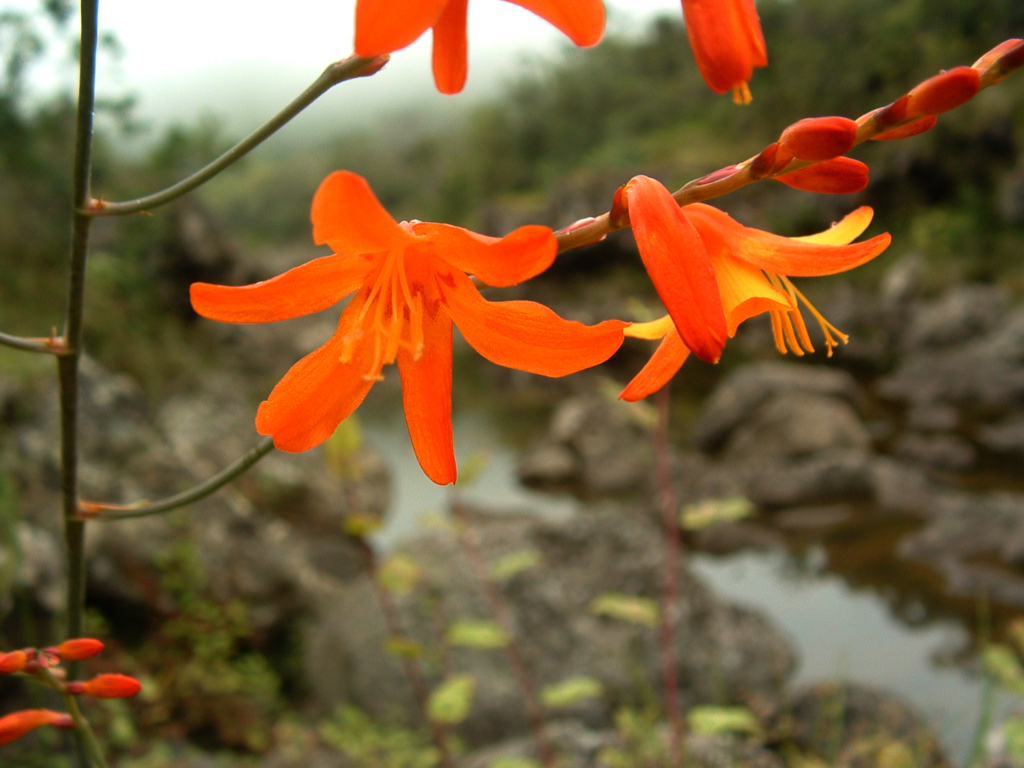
(230, 57)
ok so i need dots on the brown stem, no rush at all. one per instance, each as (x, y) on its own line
(470, 543)
(667, 501)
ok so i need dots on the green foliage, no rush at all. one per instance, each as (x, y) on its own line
(635, 610)
(713, 721)
(471, 633)
(705, 514)
(368, 744)
(451, 701)
(514, 563)
(643, 745)
(206, 680)
(571, 691)
(399, 574)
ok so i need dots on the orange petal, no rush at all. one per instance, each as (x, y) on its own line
(383, 26)
(678, 263)
(745, 291)
(525, 335)
(775, 254)
(318, 392)
(500, 262)
(450, 55)
(581, 20)
(300, 291)
(845, 231)
(838, 176)
(667, 359)
(726, 39)
(349, 218)
(17, 724)
(427, 399)
(819, 138)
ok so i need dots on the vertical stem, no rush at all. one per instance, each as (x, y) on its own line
(413, 671)
(667, 501)
(467, 536)
(67, 365)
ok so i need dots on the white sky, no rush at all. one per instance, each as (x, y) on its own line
(235, 59)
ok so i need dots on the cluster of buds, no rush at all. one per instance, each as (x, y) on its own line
(44, 664)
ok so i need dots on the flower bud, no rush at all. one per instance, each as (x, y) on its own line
(996, 53)
(77, 649)
(618, 217)
(110, 686)
(12, 662)
(838, 176)
(943, 92)
(721, 173)
(819, 138)
(912, 128)
(769, 161)
(17, 724)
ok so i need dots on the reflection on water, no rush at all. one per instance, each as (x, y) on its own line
(413, 495)
(841, 634)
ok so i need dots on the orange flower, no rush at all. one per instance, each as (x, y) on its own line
(751, 272)
(109, 686)
(410, 285)
(17, 724)
(727, 42)
(383, 26)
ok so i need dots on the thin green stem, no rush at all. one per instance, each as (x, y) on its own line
(88, 510)
(48, 346)
(346, 69)
(83, 730)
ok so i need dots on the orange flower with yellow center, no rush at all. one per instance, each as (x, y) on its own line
(727, 43)
(410, 284)
(712, 273)
(383, 26)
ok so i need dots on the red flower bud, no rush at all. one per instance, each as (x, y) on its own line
(110, 686)
(17, 724)
(892, 115)
(618, 217)
(913, 128)
(721, 173)
(14, 661)
(77, 649)
(838, 176)
(819, 138)
(996, 53)
(943, 92)
(1012, 60)
(769, 161)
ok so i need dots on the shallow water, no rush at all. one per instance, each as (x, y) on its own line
(848, 605)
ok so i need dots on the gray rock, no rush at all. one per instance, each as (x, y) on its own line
(606, 548)
(961, 314)
(736, 400)
(1005, 437)
(945, 452)
(824, 477)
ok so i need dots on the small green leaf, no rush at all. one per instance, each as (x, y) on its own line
(514, 762)
(471, 469)
(571, 691)
(471, 633)
(637, 610)
(713, 721)
(1013, 732)
(1002, 664)
(514, 563)
(399, 574)
(707, 513)
(895, 754)
(342, 448)
(360, 524)
(404, 648)
(451, 701)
